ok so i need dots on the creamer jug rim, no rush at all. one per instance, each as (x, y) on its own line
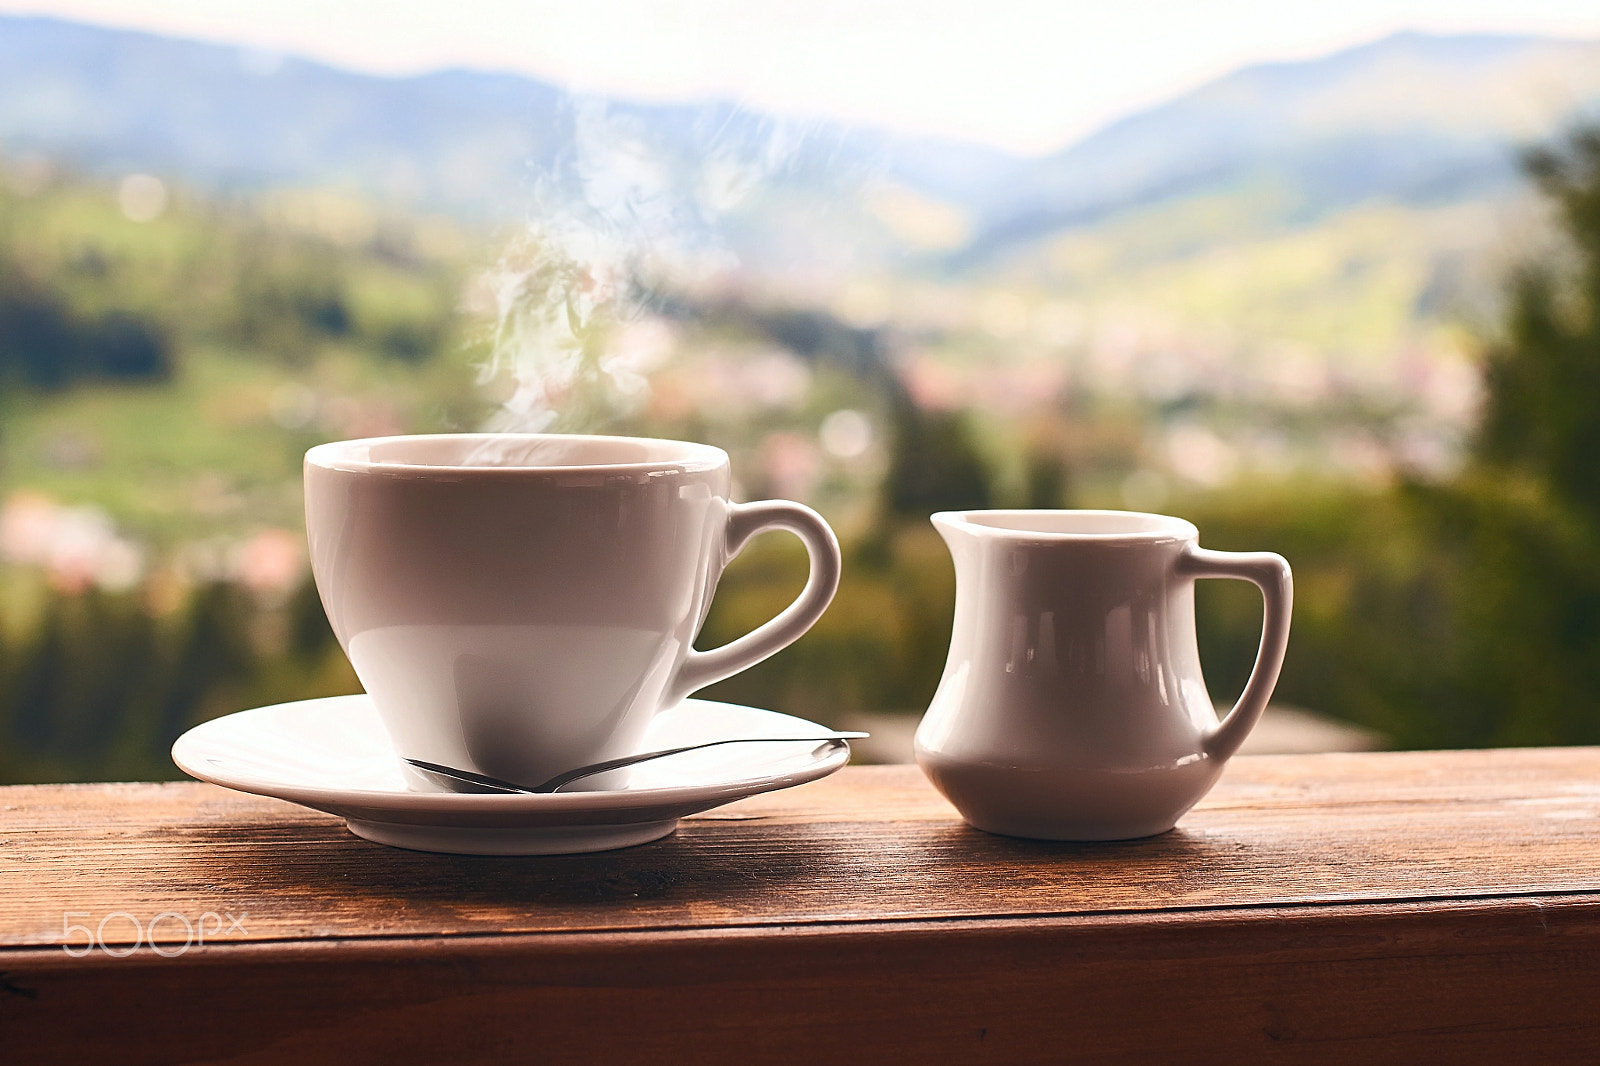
(1068, 525)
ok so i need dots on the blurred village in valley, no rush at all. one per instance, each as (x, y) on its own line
(1387, 383)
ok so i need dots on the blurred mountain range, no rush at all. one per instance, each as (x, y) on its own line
(1413, 118)
(468, 143)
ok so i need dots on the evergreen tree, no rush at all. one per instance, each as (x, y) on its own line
(1524, 520)
(215, 659)
(1544, 380)
(934, 465)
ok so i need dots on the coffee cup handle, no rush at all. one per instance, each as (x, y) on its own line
(1270, 573)
(746, 521)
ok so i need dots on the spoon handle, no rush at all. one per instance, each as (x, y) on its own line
(495, 784)
(570, 776)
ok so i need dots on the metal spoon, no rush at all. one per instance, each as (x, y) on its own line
(485, 783)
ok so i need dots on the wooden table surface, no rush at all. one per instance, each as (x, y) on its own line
(1324, 908)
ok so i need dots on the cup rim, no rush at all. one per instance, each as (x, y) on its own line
(1161, 528)
(354, 456)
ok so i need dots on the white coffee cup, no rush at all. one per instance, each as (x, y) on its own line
(523, 604)
(1072, 706)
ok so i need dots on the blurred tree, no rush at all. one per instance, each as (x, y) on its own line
(125, 346)
(287, 294)
(933, 465)
(39, 338)
(215, 661)
(35, 691)
(1047, 464)
(1526, 517)
(1047, 481)
(90, 663)
(46, 344)
(412, 342)
(1544, 380)
(820, 338)
(310, 635)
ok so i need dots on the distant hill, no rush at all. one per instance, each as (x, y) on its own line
(1413, 118)
(466, 142)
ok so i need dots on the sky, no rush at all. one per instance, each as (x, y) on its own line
(1027, 76)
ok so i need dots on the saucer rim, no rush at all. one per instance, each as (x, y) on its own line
(599, 800)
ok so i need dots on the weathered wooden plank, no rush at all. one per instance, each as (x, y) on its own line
(870, 844)
(1490, 981)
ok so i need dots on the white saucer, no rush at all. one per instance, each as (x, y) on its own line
(333, 755)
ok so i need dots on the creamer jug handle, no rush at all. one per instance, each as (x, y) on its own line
(1270, 573)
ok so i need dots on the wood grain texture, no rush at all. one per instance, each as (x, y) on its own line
(1386, 907)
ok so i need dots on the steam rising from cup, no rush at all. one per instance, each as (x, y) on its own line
(616, 221)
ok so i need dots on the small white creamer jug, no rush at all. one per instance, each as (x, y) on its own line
(1072, 706)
